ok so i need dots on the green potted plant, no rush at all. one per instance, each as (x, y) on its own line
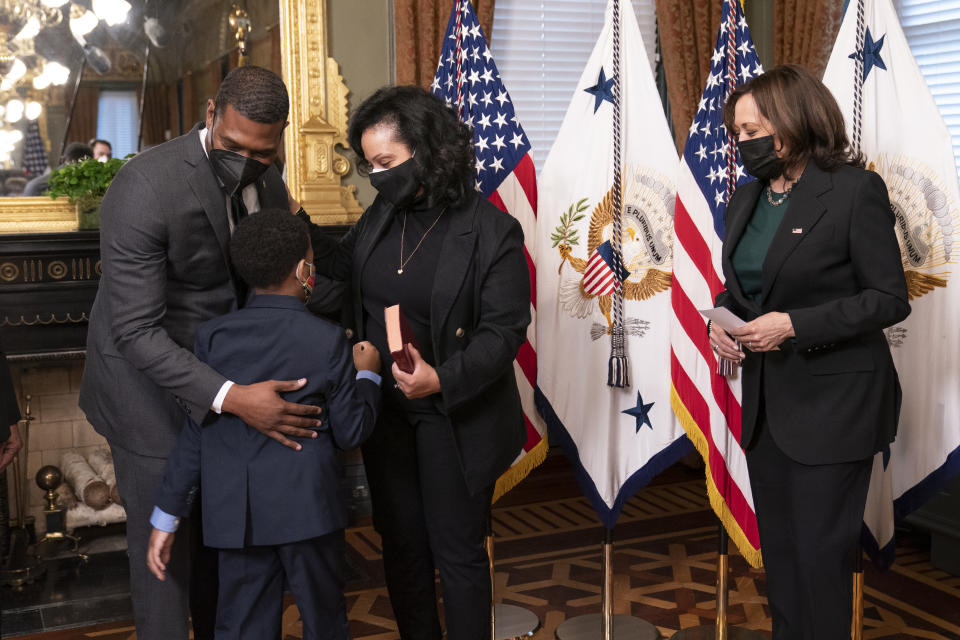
(85, 183)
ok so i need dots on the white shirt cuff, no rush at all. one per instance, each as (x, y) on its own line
(217, 405)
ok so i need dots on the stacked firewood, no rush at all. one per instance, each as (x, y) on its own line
(89, 494)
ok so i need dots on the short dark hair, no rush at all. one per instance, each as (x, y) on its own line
(443, 145)
(255, 93)
(267, 245)
(97, 141)
(75, 151)
(804, 114)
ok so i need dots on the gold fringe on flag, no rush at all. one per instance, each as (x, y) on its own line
(512, 476)
(719, 505)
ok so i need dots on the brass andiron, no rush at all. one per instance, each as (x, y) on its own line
(56, 538)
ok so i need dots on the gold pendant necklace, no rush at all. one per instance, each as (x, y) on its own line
(403, 231)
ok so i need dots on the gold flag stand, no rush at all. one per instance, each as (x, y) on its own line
(720, 630)
(507, 621)
(606, 625)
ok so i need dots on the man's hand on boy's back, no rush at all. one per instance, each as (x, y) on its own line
(366, 357)
(261, 406)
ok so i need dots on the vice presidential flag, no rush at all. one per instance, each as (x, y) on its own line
(708, 404)
(468, 80)
(618, 438)
(891, 116)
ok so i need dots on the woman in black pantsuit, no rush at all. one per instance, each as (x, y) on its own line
(455, 265)
(811, 260)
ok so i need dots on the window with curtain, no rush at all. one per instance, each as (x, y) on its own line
(118, 120)
(932, 28)
(540, 48)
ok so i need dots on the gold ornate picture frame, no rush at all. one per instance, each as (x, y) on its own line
(318, 115)
(318, 127)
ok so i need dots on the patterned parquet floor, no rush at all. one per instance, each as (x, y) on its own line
(548, 560)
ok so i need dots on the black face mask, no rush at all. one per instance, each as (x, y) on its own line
(760, 158)
(234, 170)
(399, 184)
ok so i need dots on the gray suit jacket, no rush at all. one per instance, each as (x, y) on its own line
(164, 245)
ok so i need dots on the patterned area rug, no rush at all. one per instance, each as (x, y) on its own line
(548, 559)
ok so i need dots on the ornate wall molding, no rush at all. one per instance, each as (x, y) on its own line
(318, 115)
(37, 215)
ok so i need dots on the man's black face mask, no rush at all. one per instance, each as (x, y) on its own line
(234, 170)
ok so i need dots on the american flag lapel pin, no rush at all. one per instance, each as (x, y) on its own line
(798, 230)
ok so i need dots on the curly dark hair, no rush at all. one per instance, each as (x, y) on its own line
(267, 245)
(804, 114)
(423, 123)
(255, 93)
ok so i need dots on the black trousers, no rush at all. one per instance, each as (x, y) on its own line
(427, 519)
(161, 609)
(251, 589)
(810, 518)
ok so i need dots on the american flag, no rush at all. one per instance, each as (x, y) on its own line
(599, 278)
(34, 153)
(708, 404)
(468, 80)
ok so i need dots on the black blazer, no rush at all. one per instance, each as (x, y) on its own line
(255, 491)
(831, 394)
(480, 309)
(164, 246)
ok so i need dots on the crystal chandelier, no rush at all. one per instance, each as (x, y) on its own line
(21, 21)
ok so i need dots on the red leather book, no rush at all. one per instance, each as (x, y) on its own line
(400, 338)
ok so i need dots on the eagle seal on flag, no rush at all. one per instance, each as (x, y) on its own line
(926, 220)
(647, 249)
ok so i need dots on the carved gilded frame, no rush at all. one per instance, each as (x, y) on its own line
(318, 124)
(318, 115)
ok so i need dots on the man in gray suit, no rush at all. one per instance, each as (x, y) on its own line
(165, 227)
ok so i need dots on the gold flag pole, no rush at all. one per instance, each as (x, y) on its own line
(606, 625)
(720, 630)
(507, 621)
(856, 631)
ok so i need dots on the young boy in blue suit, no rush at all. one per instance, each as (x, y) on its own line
(272, 512)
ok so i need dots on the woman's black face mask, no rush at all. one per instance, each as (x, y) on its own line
(398, 185)
(760, 159)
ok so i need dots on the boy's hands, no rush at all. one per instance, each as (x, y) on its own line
(366, 357)
(158, 553)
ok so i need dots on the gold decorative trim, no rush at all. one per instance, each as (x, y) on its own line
(318, 116)
(37, 215)
(53, 319)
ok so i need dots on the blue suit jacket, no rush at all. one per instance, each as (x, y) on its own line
(256, 491)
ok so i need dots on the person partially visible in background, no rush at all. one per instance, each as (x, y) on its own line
(102, 150)
(73, 152)
(10, 442)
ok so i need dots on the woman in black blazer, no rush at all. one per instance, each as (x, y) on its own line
(455, 265)
(811, 261)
